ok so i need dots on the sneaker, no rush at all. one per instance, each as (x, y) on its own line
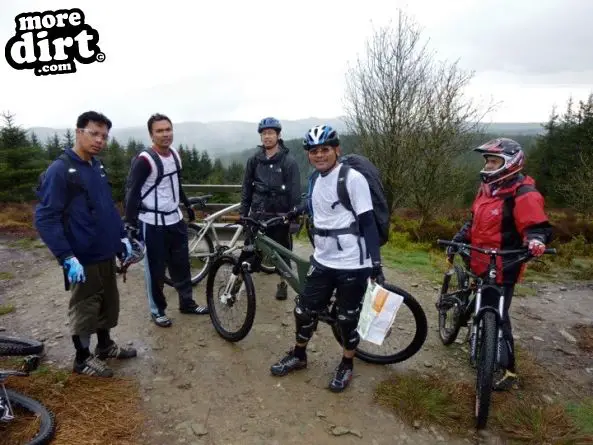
(196, 310)
(282, 291)
(115, 351)
(92, 366)
(508, 381)
(161, 320)
(341, 378)
(288, 364)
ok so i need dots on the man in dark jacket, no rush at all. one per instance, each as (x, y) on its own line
(272, 186)
(78, 221)
(508, 213)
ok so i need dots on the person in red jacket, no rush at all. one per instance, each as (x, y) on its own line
(507, 213)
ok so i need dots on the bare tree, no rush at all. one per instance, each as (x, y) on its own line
(411, 116)
(578, 191)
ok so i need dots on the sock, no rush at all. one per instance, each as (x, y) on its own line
(347, 362)
(300, 352)
(103, 339)
(81, 344)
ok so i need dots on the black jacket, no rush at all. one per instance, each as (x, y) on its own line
(272, 185)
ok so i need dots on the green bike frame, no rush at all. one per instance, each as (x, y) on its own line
(274, 251)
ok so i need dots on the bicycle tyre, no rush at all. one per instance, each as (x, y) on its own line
(241, 333)
(448, 337)
(414, 346)
(486, 364)
(204, 271)
(10, 345)
(47, 426)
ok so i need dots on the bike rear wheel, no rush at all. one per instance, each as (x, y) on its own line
(421, 331)
(203, 257)
(221, 303)
(47, 424)
(19, 346)
(486, 365)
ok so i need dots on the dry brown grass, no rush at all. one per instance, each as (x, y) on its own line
(584, 334)
(88, 410)
(17, 218)
(519, 416)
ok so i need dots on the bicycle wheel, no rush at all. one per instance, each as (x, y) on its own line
(242, 290)
(486, 364)
(47, 424)
(201, 256)
(19, 346)
(421, 331)
(450, 304)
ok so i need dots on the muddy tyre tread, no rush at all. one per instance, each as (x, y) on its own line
(47, 426)
(17, 346)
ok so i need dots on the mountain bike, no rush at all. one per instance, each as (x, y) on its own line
(485, 311)
(238, 288)
(10, 399)
(202, 248)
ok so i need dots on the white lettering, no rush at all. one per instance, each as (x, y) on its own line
(53, 68)
(48, 21)
(61, 17)
(29, 23)
(43, 45)
(60, 44)
(27, 44)
(83, 40)
(74, 19)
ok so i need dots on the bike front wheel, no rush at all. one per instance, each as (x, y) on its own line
(10, 346)
(201, 253)
(486, 365)
(225, 294)
(47, 424)
(450, 305)
(416, 324)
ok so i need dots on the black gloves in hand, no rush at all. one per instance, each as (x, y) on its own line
(190, 213)
(132, 231)
(377, 273)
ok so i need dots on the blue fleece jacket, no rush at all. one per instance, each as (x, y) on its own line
(91, 235)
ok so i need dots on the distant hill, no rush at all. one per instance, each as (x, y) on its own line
(226, 138)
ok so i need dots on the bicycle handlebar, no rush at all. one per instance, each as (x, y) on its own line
(497, 252)
(263, 224)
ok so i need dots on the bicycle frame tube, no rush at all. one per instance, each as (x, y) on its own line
(274, 251)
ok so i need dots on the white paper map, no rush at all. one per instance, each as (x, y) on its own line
(378, 313)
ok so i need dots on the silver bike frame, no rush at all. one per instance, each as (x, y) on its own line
(207, 224)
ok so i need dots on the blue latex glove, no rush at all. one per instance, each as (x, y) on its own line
(128, 245)
(75, 270)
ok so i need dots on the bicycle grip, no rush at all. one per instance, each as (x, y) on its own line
(551, 250)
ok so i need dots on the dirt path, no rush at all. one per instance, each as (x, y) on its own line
(199, 389)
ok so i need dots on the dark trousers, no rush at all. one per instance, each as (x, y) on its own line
(279, 233)
(166, 247)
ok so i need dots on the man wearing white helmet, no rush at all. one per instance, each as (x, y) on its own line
(508, 213)
(336, 262)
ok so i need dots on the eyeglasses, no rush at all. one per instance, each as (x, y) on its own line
(95, 134)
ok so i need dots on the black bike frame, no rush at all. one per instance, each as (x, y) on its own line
(494, 292)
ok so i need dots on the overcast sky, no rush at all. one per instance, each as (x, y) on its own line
(245, 59)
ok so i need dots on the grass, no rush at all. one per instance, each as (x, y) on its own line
(6, 309)
(90, 410)
(584, 335)
(26, 243)
(520, 416)
(6, 276)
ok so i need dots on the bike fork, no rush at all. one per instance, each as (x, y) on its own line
(500, 341)
(474, 329)
(8, 414)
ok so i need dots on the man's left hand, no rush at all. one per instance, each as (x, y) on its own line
(190, 213)
(377, 274)
(536, 247)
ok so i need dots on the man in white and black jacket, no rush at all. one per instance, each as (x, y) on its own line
(334, 267)
(152, 211)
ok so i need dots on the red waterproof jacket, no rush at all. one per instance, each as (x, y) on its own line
(505, 218)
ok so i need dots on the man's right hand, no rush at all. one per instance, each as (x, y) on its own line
(75, 270)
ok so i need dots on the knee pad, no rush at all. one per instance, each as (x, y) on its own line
(347, 322)
(306, 323)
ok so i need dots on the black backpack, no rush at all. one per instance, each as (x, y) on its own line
(74, 183)
(364, 166)
(160, 173)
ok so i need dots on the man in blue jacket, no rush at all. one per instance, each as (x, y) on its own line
(77, 219)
